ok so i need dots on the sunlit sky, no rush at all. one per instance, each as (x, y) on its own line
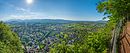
(82, 10)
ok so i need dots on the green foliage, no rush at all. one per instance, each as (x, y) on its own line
(9, 41)
(84, 42)
(115, 9)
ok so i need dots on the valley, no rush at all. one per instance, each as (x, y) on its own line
(40, 35)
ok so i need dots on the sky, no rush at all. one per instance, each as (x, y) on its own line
(79, 10)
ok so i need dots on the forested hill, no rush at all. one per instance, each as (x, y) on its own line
(38, 21)
(9, 41)
(47, 21)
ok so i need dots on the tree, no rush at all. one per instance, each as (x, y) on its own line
(115, 9)
(9, 41)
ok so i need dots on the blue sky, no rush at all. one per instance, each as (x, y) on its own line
(84, 10)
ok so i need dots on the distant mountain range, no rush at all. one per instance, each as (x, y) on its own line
(40, 21)
(46, 21)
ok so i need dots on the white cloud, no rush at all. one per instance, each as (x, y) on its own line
(21, 9)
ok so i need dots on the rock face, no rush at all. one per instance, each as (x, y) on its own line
(125, 39)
